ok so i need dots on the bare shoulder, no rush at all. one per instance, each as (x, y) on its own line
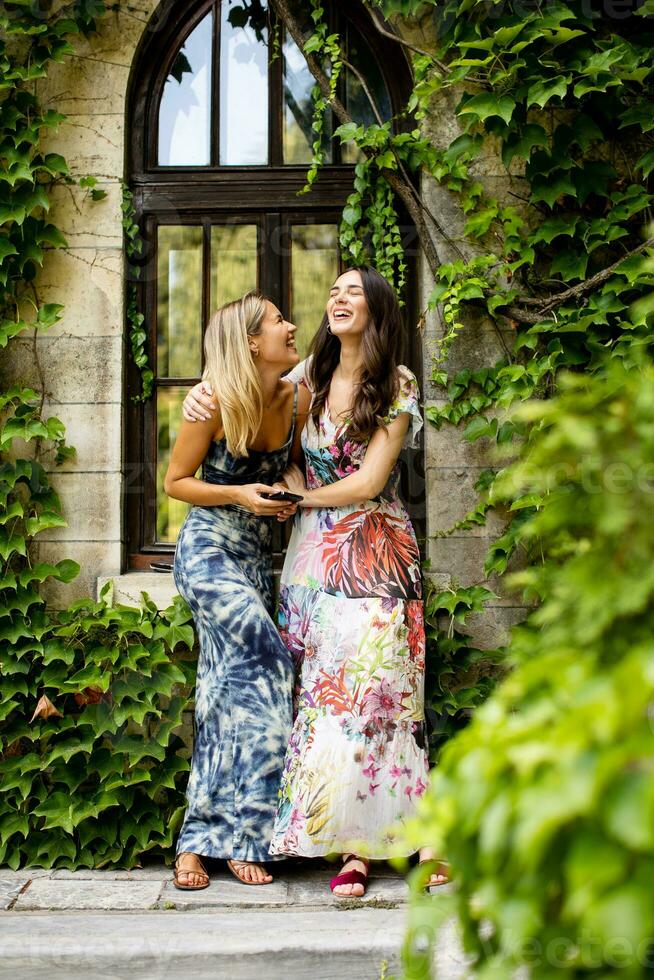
(303, 400)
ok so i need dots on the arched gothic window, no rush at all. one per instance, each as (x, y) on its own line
(220, 139)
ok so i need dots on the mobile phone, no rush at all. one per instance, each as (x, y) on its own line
(282, 495)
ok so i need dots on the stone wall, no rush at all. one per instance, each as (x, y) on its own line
(452, 466)
(82, 358)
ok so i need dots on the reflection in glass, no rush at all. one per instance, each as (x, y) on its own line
(298, 108)
(243, 90)
(233, 262)
(356, 100)
(170, 513)
(314, 266)
(179, 301)
(185, 108)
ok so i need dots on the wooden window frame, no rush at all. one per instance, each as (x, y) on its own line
(264, 194)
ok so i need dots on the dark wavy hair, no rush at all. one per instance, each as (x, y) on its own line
(381, 347)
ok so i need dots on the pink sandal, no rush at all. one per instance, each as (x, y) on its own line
(351, 877)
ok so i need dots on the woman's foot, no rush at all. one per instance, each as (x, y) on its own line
(189, 872)
(441, 873)
(249, 872)
(350, 889)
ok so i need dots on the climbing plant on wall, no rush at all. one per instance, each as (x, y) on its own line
(79, 688)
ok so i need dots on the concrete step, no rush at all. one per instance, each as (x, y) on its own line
(111, 925)
(199, 945)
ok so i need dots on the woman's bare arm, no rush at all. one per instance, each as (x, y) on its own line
(303, 405)
(189, 451)
(368, 481)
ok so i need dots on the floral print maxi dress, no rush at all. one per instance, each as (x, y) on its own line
(351, 613)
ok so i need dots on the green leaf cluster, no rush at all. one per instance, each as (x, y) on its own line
(459, 676)
(100, 782)
(326, 47)
(544, 804)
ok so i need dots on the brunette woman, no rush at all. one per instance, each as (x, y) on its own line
(223, 568)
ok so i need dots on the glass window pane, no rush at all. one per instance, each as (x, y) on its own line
(170, 513)
(233, 262)
(314, 266)
(185, 109)
(243, 90)
(298, 108)
(179, 301)
(356, 100)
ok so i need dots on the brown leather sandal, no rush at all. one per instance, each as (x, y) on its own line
(440, 869)
(244, 864)
(186, 871)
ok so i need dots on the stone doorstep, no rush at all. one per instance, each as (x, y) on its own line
(117, 891)
(203, 945)
(215, 945)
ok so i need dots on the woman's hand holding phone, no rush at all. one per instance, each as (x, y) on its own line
(290, 506)
(252, 497)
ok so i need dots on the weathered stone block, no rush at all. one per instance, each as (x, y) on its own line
(87, 85)
(462, 558)
(228, 891)
(446, 447)
(89, 282)
(45, 893)
(491, 628)
(451, 495)
(94, 557)
(95, 432)
(127, 588)
(119, 31)
(85, 222)
(91, 144)
(91, 505)
(77, 370)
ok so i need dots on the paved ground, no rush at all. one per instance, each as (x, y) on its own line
(119, 924)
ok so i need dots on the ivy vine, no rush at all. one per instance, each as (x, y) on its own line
(81, 786)
(136, 333)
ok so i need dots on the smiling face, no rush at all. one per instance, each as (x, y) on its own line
(347, 309)
(275, 342)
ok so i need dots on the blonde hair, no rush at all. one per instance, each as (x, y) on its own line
(230, 369)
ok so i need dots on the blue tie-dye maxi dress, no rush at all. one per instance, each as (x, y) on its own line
(243, 693)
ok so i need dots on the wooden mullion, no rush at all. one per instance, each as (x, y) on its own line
(149, 423)
(275, 99)
(215, 85)
(176, 382)
(206, 284)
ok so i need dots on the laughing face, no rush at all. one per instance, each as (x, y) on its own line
(275, 342)
(347, 310)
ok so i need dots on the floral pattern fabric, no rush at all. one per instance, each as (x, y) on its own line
(351, 614)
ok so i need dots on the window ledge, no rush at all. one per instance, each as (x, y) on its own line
(127, 588)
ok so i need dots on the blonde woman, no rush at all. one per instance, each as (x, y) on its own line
(223, 568)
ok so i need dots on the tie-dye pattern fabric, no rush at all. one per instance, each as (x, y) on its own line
(243, 715)
(351, 613)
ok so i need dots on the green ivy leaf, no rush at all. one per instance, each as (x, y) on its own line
(544, 89)
(487, 105)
